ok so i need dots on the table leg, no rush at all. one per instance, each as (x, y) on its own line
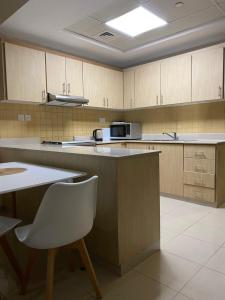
(12, 259)
(14, 210)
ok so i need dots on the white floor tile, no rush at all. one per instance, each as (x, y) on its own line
(169, 223)
(206, 233)
(206, 285)
(192, 249)
(166, 236)
(169, 269)
(189, 214)
(181, 297)
(168, 205)
(217, 261)
(135, 286)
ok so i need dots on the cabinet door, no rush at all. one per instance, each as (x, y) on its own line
(207, 74)
(56, 73)
(171, 169)
(114, 89)
(147, 85)
(128, 89)
(74, 77)
(176, 79)
(25, 73)
(95, 84)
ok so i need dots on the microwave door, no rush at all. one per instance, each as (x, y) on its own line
(118, 131)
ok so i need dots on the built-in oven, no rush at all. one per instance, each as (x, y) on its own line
(125, 131)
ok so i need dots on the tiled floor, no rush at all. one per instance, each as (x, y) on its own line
(190, 265)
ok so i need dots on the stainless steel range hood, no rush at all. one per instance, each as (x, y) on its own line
(66, 100)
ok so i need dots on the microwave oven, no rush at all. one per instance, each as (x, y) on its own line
(125, 131)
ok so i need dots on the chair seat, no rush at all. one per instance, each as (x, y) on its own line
(22, 232)
(6, 224)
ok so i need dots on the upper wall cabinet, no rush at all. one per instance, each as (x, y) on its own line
(25, 74)
(207, 74)
(102, 86)
(176, 80)
(64, 75)
(147, 85)
(128, 89)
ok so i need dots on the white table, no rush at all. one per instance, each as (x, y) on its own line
(33, 176)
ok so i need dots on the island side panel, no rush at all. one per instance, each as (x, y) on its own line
(138, 208)
(220, 174)
(103, 240)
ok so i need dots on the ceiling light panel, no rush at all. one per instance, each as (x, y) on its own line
(137, 21)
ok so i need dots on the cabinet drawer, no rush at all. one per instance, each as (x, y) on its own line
(199, 165)
(199, 193)
(200, 152)
(199, 179)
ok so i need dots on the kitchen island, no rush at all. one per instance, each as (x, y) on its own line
(127, 225)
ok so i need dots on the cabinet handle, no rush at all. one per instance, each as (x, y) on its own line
(107, 102)
(200, 154)
(220, 92)
(157, 100)
(200, 169)
(64, 88)
(68, 88)
(43, 95)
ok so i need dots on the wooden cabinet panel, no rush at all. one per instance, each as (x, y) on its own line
(199, 165)
(128, 86)
(25, 73)
(114, 89)
(95, 84)
(147, 85)
(74, 77)
(207, 74)
(56, 73)
(176, 79)
(199, 179)
(171, 169)
(199, 151)
(199, 193)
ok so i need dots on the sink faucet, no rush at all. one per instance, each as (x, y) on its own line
(173, 135)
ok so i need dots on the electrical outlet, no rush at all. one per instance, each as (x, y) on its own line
(20, 117)
(102, 120)
(27, 118)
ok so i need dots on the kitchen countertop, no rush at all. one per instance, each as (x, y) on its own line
(198, 142)
(35, 145)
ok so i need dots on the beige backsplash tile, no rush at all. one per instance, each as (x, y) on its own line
(63, 123)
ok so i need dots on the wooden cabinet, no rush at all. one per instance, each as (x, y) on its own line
(64, 75)
(103, 87)
(207, 74)
(74, 77)
(147, 85)
(199, 172)
(114, 89)
(25, 74)
(128, 89)
(176, 79)
(171, 166)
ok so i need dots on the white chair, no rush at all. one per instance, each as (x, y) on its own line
(64, 218)
(7, 224)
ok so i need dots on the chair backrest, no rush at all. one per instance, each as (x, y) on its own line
(65, 215)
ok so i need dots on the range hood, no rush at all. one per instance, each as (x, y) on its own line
(66, 100)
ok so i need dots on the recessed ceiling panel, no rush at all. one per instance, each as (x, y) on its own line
(167, 9)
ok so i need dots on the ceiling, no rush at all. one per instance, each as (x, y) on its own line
(75, 26)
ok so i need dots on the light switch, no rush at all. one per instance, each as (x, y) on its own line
(27, 118)
(20, 117)
(101, 120)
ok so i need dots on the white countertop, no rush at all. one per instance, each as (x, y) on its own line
(26, 144)
(33, 175)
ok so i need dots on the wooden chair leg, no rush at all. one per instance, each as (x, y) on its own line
(50, 273)
(12, 259)
(32, 258)
(89, 267)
